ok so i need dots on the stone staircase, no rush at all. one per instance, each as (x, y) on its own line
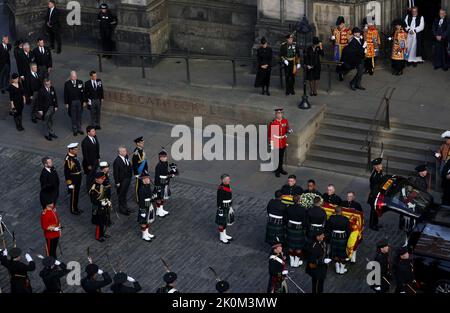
(339, 146)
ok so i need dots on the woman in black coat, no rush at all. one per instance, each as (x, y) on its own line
(264, 66)
(17, 100)
(313, 66)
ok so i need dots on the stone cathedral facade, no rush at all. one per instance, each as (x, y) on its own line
(223, 27)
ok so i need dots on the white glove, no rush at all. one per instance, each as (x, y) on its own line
(285, 272)
(298, 66)
(437, 155)
(390, 39)
(131, 279)
(377, 288)
(5, 252)
(333, 38)
(104, 202)
(89, 101)
(327, 260)
(100, 272)
(137, 176)
(57, 263)
(286, 62)
(143, 214)
(57, 229)
(365, 44)
(118, 185)
(0, 218)
(28, 257)
(70, 186)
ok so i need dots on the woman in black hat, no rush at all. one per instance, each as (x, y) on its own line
(313, 66)
(264, 66)
(17, 100)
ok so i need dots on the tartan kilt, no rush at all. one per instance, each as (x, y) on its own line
(273, 231)
(338, 247)
(222, 216)
(296, 238)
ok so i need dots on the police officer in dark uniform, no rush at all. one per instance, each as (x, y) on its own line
(139, 162)
(331, 197)
(404, 274)
(316, 218)
(338, 230)
(290, 55)
(18, 271)
(382, 257)
(317, 261)
(295, 231)
(376, 179)
(72, 173)
(169, 278)
(277, 270)
(119, 284)
(52, 273)
(107, 23)
(275, 220)
(91, 283)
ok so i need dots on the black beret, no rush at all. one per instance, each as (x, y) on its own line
(15, 252)
(91, 269)
(222, 286)
(139, 139)
(170, 277)
(48, 261)
(120, 278)
(421, 168)
(377, 161)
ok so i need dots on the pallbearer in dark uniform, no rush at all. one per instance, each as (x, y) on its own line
(146, 213)
(331, 197)
(311, 187)
(376, 179)
(139, 162)
(295, 232)
(43, 58)
(382, 257)
(51, 225)
(53, 26)
(290, 58)
(316, 218)
(169, 278)
(338, 230)
(291, 188)
(222, 286)
(225, 213)
(351, 202)
(93, 91)
(404, 274)
(276, 211)
(163, 173)
(72, 173)
(90, 147)
(119, 286)
(100, 207)
(277, 270)
(74, 99)
(107, 23)
(49, 178)
(91, 283)
(264, 66)
(18, 271)
(104, 168)
(278, 133)
(52, 273)
(317, 262)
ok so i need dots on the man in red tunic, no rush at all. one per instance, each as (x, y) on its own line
(278, 132)
(51, 226)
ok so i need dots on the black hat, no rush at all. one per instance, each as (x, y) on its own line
(120, 278)
(15, 252)
(139, 139)
(222, 286)
(103, 6)
(382, 243)
(163, 152)
(377, 161)
(356, 30)
(170, 277)
(340, 20)
(14, 76)
(91, 269)
(316, 41)
(402, 250)
(99, 175)
(277, 243)
(421, 168)
(364, 22)
(263, 40)
(48, 261)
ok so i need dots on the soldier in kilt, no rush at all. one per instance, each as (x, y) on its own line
(275, 229)
(317, 261)
(338, 230)
(146, 215)
(316, 218)
(225, 213)
(295, 231)
(277, 270)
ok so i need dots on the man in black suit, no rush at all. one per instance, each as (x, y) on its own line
(90, 149)
(5, 63)
(353, 56)
(53, 26)
(32, 84)
(47, 107)
(74, 101)
(122, 172)
(93, 90)
(43, 58)
(49, 180)
(23, 59)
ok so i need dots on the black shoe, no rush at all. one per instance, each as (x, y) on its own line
(352, 87)
(53, 136)
(34, 120)
(277, 174)
(76, 212)
(445, 69)
(360, 88)
(293, 93)
(287, 93)
(283, 172)
(414, 64)
(81, 132)
(267, 93)
(101, 239)
(75, 133)
(49, 138)
(315, 94)
(3, 91)
(58, 51)
(107, 236)
(341, 77)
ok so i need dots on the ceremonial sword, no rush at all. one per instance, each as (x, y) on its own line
(166, 266)
(295, 284)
